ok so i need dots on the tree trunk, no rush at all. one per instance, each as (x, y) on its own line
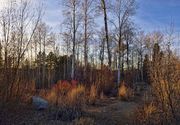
(106, 30)
(74, 41)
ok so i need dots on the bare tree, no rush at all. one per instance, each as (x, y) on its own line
(88, 10)
(104, 8)
(122, 10)
(19, 22)
(73, 21)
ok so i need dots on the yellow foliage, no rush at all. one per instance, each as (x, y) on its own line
(149, 109)
(76, 96)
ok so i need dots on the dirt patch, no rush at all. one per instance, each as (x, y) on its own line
(114, 112)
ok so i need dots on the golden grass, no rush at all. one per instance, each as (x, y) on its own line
(147, 114)
(76, 97)
(93, 94)
(124, 92)
(65, 96)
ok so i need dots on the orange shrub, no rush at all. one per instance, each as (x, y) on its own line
(66, 94)
(124, 92)
(147, 115)
(76, 97)
(62, 87)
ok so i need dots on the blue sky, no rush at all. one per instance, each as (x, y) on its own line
(151, 14)
(158, 14)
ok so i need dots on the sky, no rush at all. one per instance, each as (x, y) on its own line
(158, 14)
(151, 15)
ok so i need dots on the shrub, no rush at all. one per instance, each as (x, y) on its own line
(147, 115)
(124, 92)
(76, 97)
(58, 93)
(93, 94)
(164, 77)
(69, 100)
(23, 91)
(165, 83)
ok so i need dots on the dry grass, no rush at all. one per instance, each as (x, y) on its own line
(63, 94)
(76, 97)
(147, 115)
(124, 92)
(93, 94)
(69, 100)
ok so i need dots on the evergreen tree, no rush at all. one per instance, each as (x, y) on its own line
(1, 59)
(146, 69)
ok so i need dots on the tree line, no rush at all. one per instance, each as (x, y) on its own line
(97, 37)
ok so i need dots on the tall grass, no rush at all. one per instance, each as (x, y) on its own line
(124, 92)
(93, 94)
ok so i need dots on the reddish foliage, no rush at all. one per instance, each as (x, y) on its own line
(64, 85)
(74, 83)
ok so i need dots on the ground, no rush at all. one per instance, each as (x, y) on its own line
(112, 111)
(108, 111)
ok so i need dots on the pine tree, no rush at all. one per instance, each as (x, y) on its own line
(146, 69)
(1, 59)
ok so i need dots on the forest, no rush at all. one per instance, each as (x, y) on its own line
(98, 68)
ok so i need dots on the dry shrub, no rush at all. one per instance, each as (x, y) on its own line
(19, 92)
(76, 97)
(63, 87)
(147, 115)
(69, 99)
(58, 93)
(23, 91)
(165, 79)
(71, 105)
(65, 94)
(93, 94)
(165, 82)
(124, 92)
